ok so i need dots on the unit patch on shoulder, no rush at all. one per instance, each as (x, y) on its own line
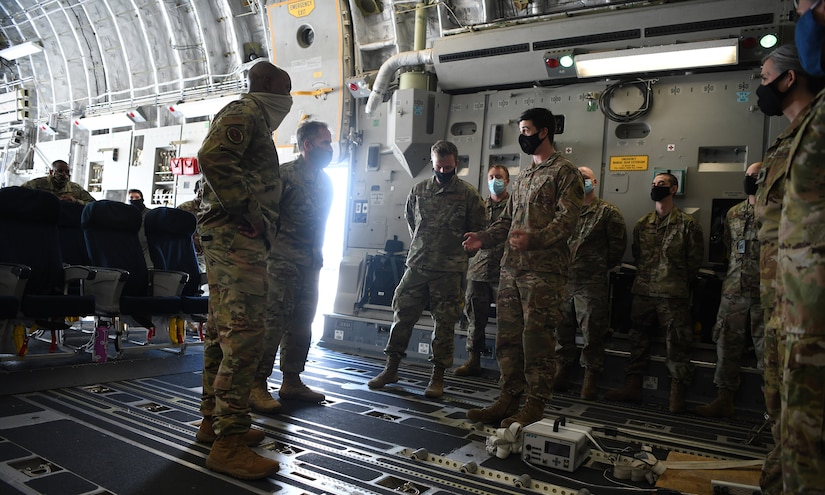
(234, 135)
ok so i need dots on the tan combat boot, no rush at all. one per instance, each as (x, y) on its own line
(505, 406)
(206, 434)
(531, 411)
(721, 407)
(435, 389)
(261, 401)
(389, 375)
(589, 386)
(677, 396)
(631, 391)
(292, 388)
(472, 367)
(230, 455)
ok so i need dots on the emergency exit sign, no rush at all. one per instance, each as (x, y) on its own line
(628, 163)
(301, 8)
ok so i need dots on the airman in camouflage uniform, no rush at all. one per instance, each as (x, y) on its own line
(58, 183)
(668, 250)
(439, 210)
(792, 91)
(801, 272)
(740, 308)
(538, 220)
(294, 266)
(238, 222)
(596, 246)
(483, 275)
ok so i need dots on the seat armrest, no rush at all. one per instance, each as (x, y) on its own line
(167, 282)
(78, 272)
(107, 287)
(13, 278)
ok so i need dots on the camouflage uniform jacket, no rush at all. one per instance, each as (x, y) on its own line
(742, 246)
(71, 189)
(240, 167)
(801, 259)
(485, 266)
(306, 199)
(768, 207)
(668, 253)
(438, 216)
(597, 244)
(545, 201)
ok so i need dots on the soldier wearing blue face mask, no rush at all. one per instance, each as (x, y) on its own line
(596, 246)
(483, 275)
(810, 35)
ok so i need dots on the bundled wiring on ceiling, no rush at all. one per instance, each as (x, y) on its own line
(645, 87)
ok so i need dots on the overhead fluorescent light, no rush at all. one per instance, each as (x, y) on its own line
(22, 50)
(103, 121)
(658, 58)
(200, 108)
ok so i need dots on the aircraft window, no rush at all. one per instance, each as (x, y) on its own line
(306, 36)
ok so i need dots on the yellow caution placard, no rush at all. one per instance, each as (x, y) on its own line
(630, 163)
(301, 8)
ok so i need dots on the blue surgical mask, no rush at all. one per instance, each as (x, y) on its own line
(809, 38)
(496, 186)
(588, 186)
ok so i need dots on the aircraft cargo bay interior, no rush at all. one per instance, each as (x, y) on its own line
(429, 247)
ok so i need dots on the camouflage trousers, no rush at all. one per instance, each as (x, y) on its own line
(771, 477)
(444, 292)
(529, 310)
(648, 315)
(236, 270)
(736, 315)
(477, 308)
(803, 415)
(291, 302)
(584, 307)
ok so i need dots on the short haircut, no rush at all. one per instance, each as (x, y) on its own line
(670, 178)
(58, 162)
(130, 191)
(503, 168)
(542, 118)
(308, 130)
(444, 148)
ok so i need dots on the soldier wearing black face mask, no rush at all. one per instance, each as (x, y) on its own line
(668, 249)
(740, 308)
(136, 200)
(781, 69)
(58, 183)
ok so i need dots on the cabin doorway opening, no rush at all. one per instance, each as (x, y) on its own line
(333, 246)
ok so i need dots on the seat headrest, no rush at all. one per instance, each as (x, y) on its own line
(30, 205)
(165, 220)
(111, 215)
(70, 213)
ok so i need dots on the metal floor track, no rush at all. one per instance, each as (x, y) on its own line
(135, 435)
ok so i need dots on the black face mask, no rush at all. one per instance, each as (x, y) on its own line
(529, 144)
(444, 177)
(658, 193)
(137, 203)
(750, 185)
(769, 98)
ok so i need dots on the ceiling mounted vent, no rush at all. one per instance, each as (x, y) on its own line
(711, 25)
(630, 34)
(488, 52)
